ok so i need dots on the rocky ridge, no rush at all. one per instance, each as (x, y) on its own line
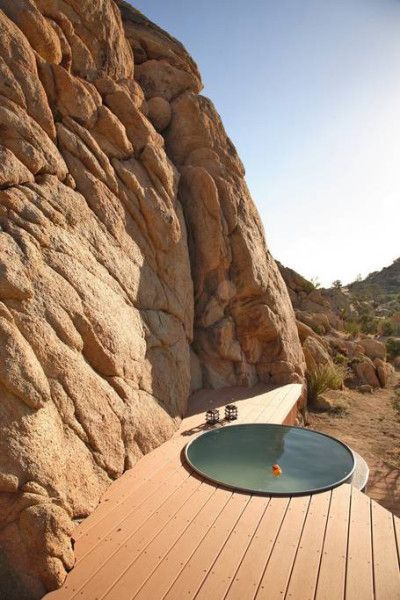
(386, 280)
(133, 267)
(321, 316)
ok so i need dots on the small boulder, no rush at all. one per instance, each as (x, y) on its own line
(383, 370)
(365, 371)
(160, 112)
(365, 389)
(334, 401)
(373, 348)
(304, 331)
(323, 403)
(315, 353)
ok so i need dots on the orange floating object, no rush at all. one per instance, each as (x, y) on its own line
(276, 470)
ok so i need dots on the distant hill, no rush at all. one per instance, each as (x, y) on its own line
(387, 279)
(367, 307)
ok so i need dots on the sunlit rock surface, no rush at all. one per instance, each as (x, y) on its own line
(133, 267)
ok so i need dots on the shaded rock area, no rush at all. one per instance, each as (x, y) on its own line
(133, 267)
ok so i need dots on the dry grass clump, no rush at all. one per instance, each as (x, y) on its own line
(396, 401)
(340, 407)
(324, 377)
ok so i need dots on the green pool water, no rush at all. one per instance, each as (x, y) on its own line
(241, 457)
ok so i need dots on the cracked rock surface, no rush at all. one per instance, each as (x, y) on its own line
(133, 267)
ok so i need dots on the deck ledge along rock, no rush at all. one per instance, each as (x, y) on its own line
(133, 267)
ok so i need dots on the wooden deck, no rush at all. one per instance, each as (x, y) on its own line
(162, 532)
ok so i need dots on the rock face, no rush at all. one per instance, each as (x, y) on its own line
(320, 326)
(320, 309)
(373, 348)
(133, 267)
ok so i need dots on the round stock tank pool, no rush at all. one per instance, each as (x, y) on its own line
(275, 460)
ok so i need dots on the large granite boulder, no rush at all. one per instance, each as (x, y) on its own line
(133, 267)
(373, 348)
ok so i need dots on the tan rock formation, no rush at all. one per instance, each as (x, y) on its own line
(320, 329)
(383, 370)
(366, 372)
(133, 267)
(315, 353)
(372, 348)
(241, 304)
(315, 307)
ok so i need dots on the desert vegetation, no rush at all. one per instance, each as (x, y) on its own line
(350, 334)
(323, 378)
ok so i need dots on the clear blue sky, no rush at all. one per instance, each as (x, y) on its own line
(309, 92)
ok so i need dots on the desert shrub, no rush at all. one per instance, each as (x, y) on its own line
(390, 325)
(368, 291)
(352, 327)
(324, 377)
(309, 287)
(392, 348)
(340, 408)
(340, 359)
(386, 327)
(317, 329)
(368, 324)
(396, 401)
(315, 283)
(395, 320)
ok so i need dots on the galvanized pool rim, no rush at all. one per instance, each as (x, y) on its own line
(346, 479)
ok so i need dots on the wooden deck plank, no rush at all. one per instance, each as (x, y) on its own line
(134, 487)
(152, 465)
(131, 483)
(105, 552)
(145, 465)
(220, 575)
(287, 409)
(359, 580)
(279, 566)
(251, 569)
(267, 411)
(155, 488)
(200, 562)
(279, 400)
(164, 533)
(332, 574)
(279, 416)
(165, 574)
(257, 406)
(125, 545)
(304, 576)
(143, 565)
(154, 462)
(122, 511)
(385, 558)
